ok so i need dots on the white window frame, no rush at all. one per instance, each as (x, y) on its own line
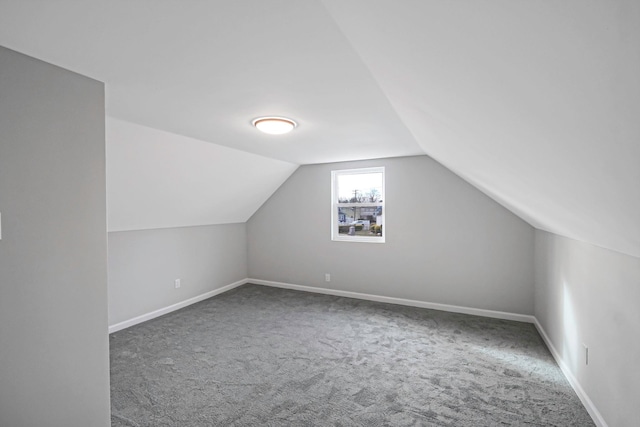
(335, 235)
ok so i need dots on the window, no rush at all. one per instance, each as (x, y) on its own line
(357, 205)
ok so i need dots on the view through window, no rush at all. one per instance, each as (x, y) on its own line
(358, 205)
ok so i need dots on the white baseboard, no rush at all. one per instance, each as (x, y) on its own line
(173, 307)
(399, 301)
(584, 398)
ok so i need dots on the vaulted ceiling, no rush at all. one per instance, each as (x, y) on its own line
(536, 103)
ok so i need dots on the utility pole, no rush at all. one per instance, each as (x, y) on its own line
(355, 200)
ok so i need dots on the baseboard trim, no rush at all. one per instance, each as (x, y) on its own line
(173, 307)
(582, 395)
(400, 301)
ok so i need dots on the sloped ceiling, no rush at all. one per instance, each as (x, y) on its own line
(536, 103)
(205, 69)
(156, 179)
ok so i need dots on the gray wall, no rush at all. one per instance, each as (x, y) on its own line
(586, 294)
(54, 356)
(144, 264)
(446, 241)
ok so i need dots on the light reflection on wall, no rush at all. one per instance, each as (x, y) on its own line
(569, 328)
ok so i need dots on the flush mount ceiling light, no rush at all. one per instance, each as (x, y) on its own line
(274, 125)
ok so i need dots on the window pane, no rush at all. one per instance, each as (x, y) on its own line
(360, 187)
(360, 221)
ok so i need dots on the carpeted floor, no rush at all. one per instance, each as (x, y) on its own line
(259, 356)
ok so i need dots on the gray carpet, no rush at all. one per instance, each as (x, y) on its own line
(259, 356)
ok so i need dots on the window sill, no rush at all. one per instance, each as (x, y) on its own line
(359, 239)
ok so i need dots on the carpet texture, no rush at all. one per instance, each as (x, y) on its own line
(259, 356)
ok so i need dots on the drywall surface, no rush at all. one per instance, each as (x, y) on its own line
(536, 103)
(54, 354)
(157, 179)
(446, 242)
(585, 294)
(144, 264)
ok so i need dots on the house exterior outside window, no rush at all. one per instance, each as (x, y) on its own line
(357, 205)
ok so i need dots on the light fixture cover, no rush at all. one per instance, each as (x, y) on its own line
(274, 125)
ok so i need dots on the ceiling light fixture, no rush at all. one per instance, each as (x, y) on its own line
(274, 125)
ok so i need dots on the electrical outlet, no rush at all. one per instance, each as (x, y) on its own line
(177, 283)
(327, 277)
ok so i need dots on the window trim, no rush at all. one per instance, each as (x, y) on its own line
(335, 235)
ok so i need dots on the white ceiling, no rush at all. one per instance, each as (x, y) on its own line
(536, 103)
(205, 69)
(156, 179)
